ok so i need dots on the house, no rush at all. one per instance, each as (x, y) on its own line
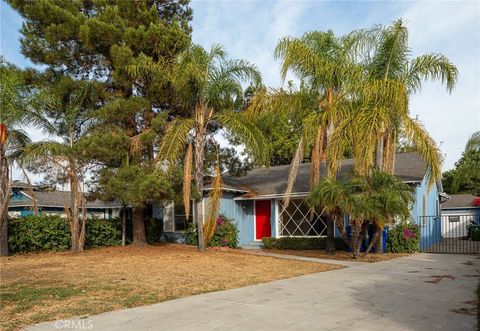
(457, 213)
(255, 201)
(52, 202)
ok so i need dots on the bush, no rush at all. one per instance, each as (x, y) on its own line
(404, 238)
(100, 232)
(299, 243)
(52, 233)
(226, 234)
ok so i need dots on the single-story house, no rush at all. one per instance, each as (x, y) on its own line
(255, 201)
(51, 202)
(457, 213)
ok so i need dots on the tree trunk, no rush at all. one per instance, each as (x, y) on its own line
(379, 154)
(139, 237)
(330, 244)
(355, 239)
(376, 236)
(199, 157)
(124, 225)
(4, 200)
(77, 224)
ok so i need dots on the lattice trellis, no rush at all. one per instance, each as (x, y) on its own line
(297, 220)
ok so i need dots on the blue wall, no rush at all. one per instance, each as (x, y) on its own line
(427, 214)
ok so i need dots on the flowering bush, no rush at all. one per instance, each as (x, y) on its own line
(226, 234)
(476, 201)
(404, 238)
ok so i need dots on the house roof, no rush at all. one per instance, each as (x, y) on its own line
(459, 201)
(58, 199)
(273, 180)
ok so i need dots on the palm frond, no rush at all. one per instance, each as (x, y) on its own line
(292, 175)
(248, 133)
(174, 140)
(214, 204)
(433, 67)
(427, 148)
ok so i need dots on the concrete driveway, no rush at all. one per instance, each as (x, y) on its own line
(420, 292)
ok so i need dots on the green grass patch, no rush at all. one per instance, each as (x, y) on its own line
(28, 295)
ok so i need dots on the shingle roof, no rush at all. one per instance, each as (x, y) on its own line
(273, 180)
(459, 201)
(58, 199)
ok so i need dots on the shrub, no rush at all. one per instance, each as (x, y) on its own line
(404, 238)
(225, 235)
(100, 232)
(52, 233)
(299, 243)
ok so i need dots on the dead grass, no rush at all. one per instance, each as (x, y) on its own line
(49, 286)
(339, 255)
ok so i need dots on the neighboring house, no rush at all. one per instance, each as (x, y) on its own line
(52, 202)
(457, 213)
(255, 201)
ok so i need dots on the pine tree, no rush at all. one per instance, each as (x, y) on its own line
(127, 46)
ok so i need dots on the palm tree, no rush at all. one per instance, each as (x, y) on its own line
(392, 200)
(17, 104)
(324, 64)
(67, 121)
(380, 199)
(390, 77)
(209, 87)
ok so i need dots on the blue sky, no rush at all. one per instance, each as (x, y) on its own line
(250, 30)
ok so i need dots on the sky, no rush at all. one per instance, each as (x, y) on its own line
(250, 30)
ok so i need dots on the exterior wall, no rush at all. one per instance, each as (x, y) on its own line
(463, 218)
(426, 213)
(426, 201)
(244, 216)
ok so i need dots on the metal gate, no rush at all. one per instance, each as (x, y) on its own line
(449, 234)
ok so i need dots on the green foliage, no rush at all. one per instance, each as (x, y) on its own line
(52, 233)
(226, 234)
(465, 177)
(403, 238)
(299, 243)
(153, 230)
(382, 199)
(134, 185)
(100, 232)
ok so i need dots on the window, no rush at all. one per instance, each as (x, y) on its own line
(298, 220)
(181, 222)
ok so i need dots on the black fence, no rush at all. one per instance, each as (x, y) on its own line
(450, 233)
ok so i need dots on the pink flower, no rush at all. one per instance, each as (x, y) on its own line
(407, 233)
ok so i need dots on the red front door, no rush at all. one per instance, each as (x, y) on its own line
(262, 219)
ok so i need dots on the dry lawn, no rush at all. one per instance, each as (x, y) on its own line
(50, 286)
(339, 255)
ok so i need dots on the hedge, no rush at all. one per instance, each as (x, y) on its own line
(225, 235)
(299, 243)
(52, 233)
(403, 238)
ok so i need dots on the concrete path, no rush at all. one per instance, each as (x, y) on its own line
(343, 263)
(419, 292)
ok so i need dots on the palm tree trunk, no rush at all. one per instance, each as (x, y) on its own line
(372, 242)
(379, 154)
(355, 240)
(199, 157)
(4, 199)
(330, 244)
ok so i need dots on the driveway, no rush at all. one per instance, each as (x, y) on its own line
(419, 292)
